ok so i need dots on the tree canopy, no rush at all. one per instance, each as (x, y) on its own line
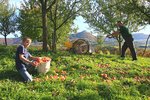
(103, 14)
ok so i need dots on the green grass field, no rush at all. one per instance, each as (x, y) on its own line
(77, 77)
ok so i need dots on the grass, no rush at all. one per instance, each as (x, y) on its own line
(77, 77)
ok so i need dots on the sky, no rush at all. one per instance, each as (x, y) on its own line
(80, 22)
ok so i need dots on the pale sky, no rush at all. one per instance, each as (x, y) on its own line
(80, 22)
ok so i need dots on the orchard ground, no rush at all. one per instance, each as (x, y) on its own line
(99, 76)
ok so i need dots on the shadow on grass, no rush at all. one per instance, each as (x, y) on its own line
(11, 75)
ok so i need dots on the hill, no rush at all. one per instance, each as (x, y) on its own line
(136, 36)
(139, 40)
(139, 36)
(83, 35)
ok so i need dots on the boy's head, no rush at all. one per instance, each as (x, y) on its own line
(26, 41)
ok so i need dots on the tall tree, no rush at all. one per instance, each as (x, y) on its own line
(63, 12)
(46, 6)
(28, 11)
(60, 14)
(30, 22)
(7, 19)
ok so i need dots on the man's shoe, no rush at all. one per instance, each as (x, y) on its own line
(122, 58)
(134, 59)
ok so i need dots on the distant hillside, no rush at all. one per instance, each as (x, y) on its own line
(139, 40)
(139, 36)
(83, 35)
(136, 36)
(10, 40)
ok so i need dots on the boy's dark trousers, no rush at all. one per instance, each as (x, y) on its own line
(129, 44)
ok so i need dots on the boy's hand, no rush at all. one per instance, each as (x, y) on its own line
(37, 58)
(35, 63)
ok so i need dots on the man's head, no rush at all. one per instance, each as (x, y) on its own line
(26, 41)
(119, 23)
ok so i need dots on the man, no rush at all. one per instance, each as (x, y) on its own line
(128, 40)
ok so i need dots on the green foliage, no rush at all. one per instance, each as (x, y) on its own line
(138, 9)
(126, 79)
(144, 89)
(61, 16)
(29, 20)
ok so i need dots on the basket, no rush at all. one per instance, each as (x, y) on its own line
(43, 67)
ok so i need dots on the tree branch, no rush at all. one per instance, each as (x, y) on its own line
(50, 6)
(70, 15)
(146, 45)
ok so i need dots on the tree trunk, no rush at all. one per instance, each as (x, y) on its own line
(54, 35)
(44, 24)
(54, 40)
(5, 40)
(50, 44)
(119, 44)
(146, 45)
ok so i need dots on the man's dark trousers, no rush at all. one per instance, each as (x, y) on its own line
(129, 44)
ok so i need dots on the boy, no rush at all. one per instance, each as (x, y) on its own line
(23, 58)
